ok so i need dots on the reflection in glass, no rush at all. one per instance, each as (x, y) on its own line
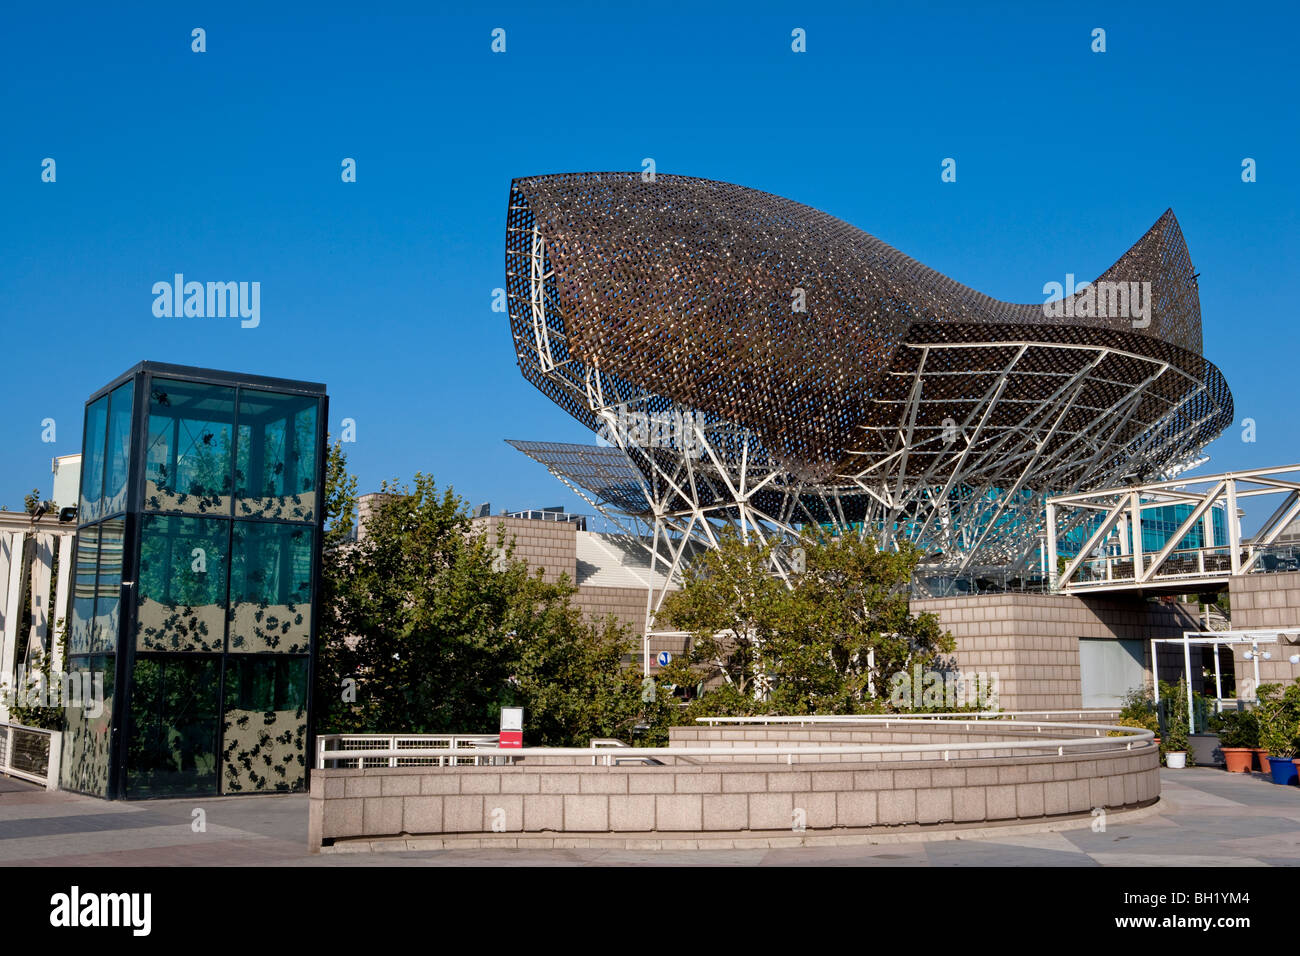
(191, 429)
(108, 589)
(173, 726)
(265, 724)
(270, 588)
(181, 603)
(83, 591)
(275, 469)
(118, 462)
(86, 732)
(92, 462)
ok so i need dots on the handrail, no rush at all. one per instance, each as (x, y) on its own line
(1125, 737)
(474, 742)
(868, 718)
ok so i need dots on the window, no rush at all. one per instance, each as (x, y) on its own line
(270, 588)
(92, 462)
(265, 724)
(173, 733)
(181, 598)
(191, 434)
(275, 469)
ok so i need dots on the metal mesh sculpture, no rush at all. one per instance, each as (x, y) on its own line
(665, 315)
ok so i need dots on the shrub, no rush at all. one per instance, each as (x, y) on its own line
(1236, 728)
(1278, 713)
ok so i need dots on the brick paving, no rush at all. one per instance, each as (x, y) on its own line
(1206, 817)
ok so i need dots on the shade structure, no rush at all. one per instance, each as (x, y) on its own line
(793, 369)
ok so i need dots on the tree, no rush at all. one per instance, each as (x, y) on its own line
(735, 608)
(438, 629)
(828, 642)
(859, 619)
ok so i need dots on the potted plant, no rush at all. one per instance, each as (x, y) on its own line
(1238, 737)
(1175, 734)
(1279, 722)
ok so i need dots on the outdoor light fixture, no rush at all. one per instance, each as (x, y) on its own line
(1294, 658)
(1249, 655)
(1267, 655)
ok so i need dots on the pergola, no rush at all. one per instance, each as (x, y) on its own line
(1216, 638)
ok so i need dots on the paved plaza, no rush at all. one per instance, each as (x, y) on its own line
(1205, 817)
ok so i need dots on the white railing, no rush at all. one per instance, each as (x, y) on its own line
(398, 750)
(31, 754)
(1022, 715)
(1097, 739)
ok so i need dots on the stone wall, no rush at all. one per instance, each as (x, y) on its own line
(1031, 641)
(1263, 601)
(714, 797)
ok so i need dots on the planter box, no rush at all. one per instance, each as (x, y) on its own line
(1204, 749)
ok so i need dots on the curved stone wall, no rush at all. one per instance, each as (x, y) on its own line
(706, 796)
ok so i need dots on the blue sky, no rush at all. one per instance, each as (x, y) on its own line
(225, 165)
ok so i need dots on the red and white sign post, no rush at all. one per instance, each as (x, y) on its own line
(512, 728)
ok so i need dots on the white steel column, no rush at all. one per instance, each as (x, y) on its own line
(42, 568)
(1051, 546)
(1234, 526)
(13, 618)
(62, 610)
(1135, 522)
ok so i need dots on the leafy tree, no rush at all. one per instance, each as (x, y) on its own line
(735, 608)
(439, 629)
(826, 643)
(858, 622)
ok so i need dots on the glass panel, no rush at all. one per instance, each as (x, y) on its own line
(83, 591)
(173, 742)
(92, 462)
(265, 724)
(87, 722)
(270, 588)
(118, 462)
(188, 463)
(182, 589)
(108, 591)
(275, 472)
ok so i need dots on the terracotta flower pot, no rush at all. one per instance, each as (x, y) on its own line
(1261, 756)
(1238, 759)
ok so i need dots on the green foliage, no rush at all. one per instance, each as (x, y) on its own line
(1278, 714)
(1236, 728)
(1139, 710)
(440, 630)
(826, 644)
(1174, 737)
(32, 714)
(31, 502)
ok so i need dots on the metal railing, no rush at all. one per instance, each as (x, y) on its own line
(400, 750)
(30, 753)
(949, 717)
(1094, 737)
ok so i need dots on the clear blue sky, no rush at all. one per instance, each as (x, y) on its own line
(225, 165)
